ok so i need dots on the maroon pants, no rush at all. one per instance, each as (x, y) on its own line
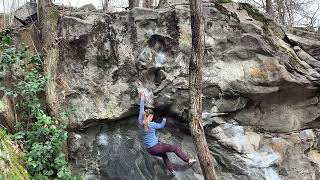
(161, 150)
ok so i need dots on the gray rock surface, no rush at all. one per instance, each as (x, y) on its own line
(309, 42)
(114, 151)
(243, 153)
(26, 13)
(260, 85)
(249, 72)
(87, 7)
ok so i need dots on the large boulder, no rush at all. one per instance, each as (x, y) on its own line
(87, 7)
(250, 72)
(27, 13)
(114, 151)
(260, 91)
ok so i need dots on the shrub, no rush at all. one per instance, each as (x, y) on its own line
(43, 139)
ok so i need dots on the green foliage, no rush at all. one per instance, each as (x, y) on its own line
(224, 1)
(44, 138)
(12, 162)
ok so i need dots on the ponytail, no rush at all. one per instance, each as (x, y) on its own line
(145, 122)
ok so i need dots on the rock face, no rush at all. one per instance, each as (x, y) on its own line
(114, 151)
(87, 7)
(308, 44)
(26, 13)
(271, 156)
(260, 89)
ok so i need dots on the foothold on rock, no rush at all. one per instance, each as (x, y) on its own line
(27, 13)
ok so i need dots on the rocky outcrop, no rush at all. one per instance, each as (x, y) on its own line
(114, 151)
(260, 90)
(87, 7)
(250, 72)
(272, 156)
(26, 13)
(308, 41)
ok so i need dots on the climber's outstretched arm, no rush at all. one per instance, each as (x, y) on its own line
(158, 125)
(141, 107)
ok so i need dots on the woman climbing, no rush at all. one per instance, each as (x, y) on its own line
(154, 147)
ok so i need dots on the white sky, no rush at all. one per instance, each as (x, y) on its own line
(8, 5)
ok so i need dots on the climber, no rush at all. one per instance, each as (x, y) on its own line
(154, 147)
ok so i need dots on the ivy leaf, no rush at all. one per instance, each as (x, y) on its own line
(7, 40)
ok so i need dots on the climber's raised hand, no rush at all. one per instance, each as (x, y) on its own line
(141, 94)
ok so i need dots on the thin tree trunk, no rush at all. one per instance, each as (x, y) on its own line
(290, 19)
(161, 2)
(132, 4)
(145, 3)
(4, 13)
(105, 4)
(195, 86)
(269, 9)
(281, 11)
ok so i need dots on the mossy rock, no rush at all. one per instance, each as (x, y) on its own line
(254, 13)
(12, 163)
(224, 1)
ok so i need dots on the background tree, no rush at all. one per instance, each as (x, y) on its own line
(132, 4)
(303, 13)
(105, 4)
(269, 8)
(148, 3)
(195, 90)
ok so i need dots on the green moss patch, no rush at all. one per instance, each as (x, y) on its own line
(254, 13)
(224, 1)
(11, 162)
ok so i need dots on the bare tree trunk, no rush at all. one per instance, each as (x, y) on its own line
(48, 18)
(132, 4)
(281, 11)
(195, 86)
(161, 2)
(4, 14)
(105, 4)
(147, 3)
(269, 9)
(289, 9)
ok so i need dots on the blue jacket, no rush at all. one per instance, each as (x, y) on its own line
(149, 137)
